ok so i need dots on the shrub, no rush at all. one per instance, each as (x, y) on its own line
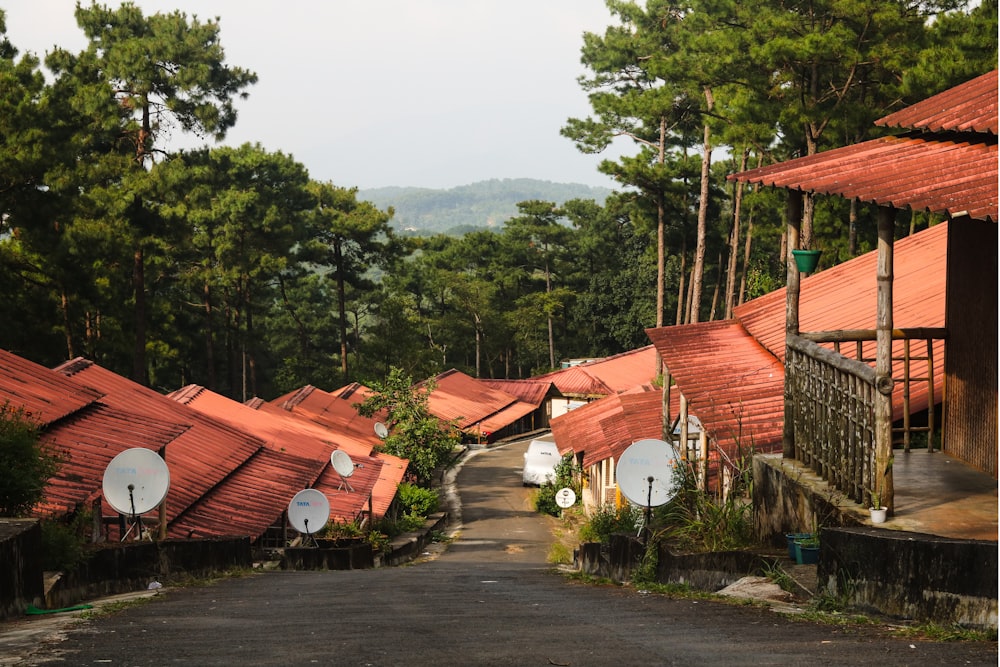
(417, 500)
(610, 520)
(64, 543)
(25, 465)
(567, 476)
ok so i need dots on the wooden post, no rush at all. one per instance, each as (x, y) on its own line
(162, 514)
(882, 475)
(793, 215)
(667, 417)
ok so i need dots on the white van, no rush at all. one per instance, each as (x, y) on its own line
(540, 461)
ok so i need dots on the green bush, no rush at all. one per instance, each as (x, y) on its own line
(609, 520)
(417, 500)
(64, 544)
(567, 476)
(25, 464)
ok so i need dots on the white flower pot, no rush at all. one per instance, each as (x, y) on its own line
(878, 514)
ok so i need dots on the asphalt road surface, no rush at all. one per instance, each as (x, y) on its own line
(489, 598)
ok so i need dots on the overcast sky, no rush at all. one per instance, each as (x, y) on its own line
(371, 93)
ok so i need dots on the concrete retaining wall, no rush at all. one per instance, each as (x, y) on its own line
(21, 580)
(132, 566)
(912, 576)
(707, 572)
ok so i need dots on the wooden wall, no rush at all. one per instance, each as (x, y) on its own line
(970, 417)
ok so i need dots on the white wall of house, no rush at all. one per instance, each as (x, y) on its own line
(561, 406)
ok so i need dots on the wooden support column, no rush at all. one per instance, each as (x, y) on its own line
(793, 217)
(882, 475)
(665, 433)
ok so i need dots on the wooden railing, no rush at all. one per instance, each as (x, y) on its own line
(831, 402)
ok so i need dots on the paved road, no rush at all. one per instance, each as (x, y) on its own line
(488, 599)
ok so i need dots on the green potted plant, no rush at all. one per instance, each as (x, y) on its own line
(807, 549)
(877, 510)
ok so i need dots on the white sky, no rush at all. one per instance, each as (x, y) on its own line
(370, 93)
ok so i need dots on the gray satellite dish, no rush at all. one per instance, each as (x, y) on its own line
(381, 431)
(308, 511)
(647, 473)
(342, 463)
(135, 481)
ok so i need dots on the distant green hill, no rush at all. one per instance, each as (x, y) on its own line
(484, 204)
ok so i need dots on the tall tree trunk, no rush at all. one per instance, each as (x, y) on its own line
(682, 281)
(64, 306)
(734, 240)
(139, 289)
(852, 229)
(661, 251)
(697, 279)
(209, 337)
(338, 258)
(548, 291)
(715, 292)
(746, 259)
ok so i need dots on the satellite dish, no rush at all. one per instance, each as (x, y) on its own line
(136, 481)
(342, 463)
(381, 431)
(647, 473)
(308, 511)
(565, 497)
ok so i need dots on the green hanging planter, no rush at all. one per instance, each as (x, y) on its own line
(806, 260)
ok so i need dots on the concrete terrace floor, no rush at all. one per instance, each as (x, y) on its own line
(935, 494)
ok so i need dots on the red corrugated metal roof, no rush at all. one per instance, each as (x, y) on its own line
(460, 397)
(734, 386)
(199, 459)
(285, 433)
(719, 365)
(844, 296)
(332, 412)
(605, 376)
(337, 412)
(530, 390)
(504, 417)
(971, 106)
(252, 498)
(606, 427)
(953, 173)
(48, 396)
(947, 175)
(86, 442)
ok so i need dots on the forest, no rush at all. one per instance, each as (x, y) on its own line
(231, 268)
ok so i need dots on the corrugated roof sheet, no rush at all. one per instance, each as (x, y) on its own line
(720, 366)
(48, 396)
(504, 417)
(603, 377)
(530, 390)
(734, 386)
(606, 427)
(969, 107)
(460, 397)
(285, 433)
(252, 498)
(946, 171)
(199, 459)
(947, 175)
(86, 442)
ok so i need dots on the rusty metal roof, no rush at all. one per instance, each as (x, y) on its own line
(951, 170)
(969, 107)
(844, 296)
(252, 498)
(606, 427)
(46, 395)
(603, 377)
(733, 384)
(303, 437)
(199, 459)
(720, 366)
(951, 175)
(530, 391)
(333, 412)
(460, 397)
(86, 442)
